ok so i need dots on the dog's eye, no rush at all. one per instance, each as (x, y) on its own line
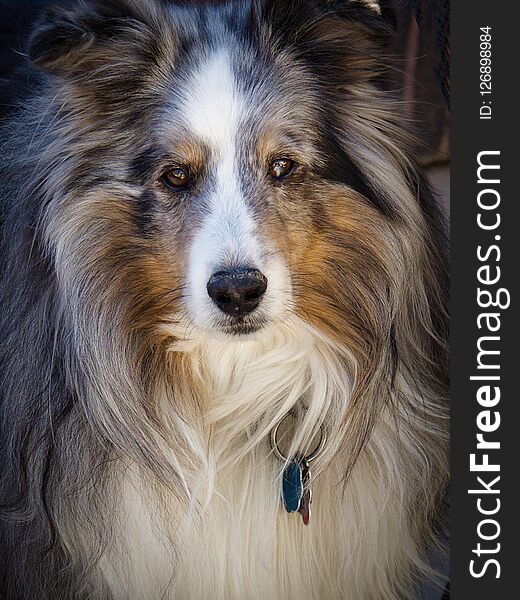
(281, 167)
(176, 179)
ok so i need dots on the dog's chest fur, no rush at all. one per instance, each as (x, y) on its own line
(245, 546)
(234, 540)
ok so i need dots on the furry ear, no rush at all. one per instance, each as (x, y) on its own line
(291, 18)
(62, 38)
(373, 5)
(376, 15)
(59, 39)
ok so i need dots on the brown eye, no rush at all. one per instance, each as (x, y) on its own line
(176, 178)
(281, 167)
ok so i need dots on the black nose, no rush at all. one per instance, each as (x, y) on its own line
(237, 292)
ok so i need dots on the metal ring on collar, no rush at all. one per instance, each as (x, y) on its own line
(315, 453)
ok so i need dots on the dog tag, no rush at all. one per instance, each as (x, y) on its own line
(305, 502)
(296, 493)
(296, 478)
(305, 506)
(292, 486)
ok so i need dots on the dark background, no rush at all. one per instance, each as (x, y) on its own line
(469, 137)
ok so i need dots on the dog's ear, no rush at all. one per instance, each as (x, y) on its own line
(62, 38)
(293, 18)
(372, 5)
(58, 39)
(376, 15)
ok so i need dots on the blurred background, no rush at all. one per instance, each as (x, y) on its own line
(422, 51)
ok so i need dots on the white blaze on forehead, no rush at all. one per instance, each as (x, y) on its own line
(214, 105)
(214, 109)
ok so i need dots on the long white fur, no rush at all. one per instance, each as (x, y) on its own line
(234, 541)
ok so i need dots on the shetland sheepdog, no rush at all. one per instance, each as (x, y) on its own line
(213, 226)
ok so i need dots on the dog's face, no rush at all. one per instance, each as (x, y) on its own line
(236, 184)
(223, 164)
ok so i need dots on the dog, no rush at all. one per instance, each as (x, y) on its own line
(219, 258)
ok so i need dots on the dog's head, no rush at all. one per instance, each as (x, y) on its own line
(230, 165)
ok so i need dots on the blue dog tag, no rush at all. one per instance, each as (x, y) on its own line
(296, 478)
(292, 486)
(296, 491)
